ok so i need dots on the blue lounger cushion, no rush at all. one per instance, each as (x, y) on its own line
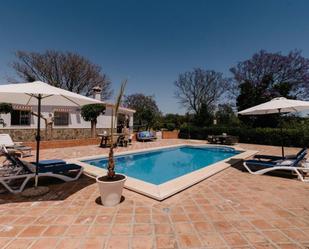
(260, 163)
(285, 162)
(301, 153)
(43, 163)
(59, 168)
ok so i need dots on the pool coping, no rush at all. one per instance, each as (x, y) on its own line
(169, 188)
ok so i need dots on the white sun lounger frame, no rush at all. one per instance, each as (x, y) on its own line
(297, 170)
(6, 179)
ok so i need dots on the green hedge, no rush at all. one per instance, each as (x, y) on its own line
(268, 136)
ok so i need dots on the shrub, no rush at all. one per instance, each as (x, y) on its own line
(6, 108)
(268, 136)
(90, 113)
(170, 126)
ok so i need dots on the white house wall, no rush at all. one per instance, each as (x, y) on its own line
(75, 119)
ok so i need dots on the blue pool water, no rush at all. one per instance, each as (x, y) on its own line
(162, 165)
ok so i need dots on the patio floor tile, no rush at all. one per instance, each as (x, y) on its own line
(231, 209)
(118, 242)
(77, 230)
(189, 241)
(10, 230)
(69, 243)
(45, 243)
(166, 242)
(184, 228)
(19, 244)
(55, 230)
(163, 228)
(254, 237)
(4, 241)
(142, 242)
(93, 243)
(276, 236)
(99, 230)
(142, 229)
(121, 229)
(32, 231)
(212, 240)
(234, 239)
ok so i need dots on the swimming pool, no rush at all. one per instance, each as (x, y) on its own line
(163, 165)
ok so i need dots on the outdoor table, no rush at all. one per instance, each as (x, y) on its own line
(224, 139)
(106, 137)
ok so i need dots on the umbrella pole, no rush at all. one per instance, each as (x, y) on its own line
(38, 138)
(282, 146)
(281, 131)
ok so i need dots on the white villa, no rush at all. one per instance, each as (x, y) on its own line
(67, 121)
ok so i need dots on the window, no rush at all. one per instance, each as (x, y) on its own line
(61, 118)
(19, 117)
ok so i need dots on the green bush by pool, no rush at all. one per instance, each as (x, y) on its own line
(267, 136)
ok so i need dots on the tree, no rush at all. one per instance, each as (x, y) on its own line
(226, 115)
(204, 117)
(90, 113)
(199, 89)
(269, 75)
(147, 111)
(5, 108)
(66, 70)
(171, 120)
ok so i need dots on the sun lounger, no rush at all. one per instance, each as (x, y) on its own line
(293, 165)
(62, 171)
(145, 136)
(275, 158)
(6, 140)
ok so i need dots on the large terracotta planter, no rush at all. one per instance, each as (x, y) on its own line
(111, 191)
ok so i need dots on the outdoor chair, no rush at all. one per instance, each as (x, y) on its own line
(231, 140)
(63, 171)
(210, 139)
(130, 139)
(6, 140)
(122, 141)
(275, 158)
(293, 165)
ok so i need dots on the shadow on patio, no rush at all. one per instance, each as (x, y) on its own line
(59, 190)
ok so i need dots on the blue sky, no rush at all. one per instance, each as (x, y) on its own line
(151, 42)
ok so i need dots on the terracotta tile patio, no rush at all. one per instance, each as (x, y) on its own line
(231, 209)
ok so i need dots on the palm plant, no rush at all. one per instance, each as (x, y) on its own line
(111, 162)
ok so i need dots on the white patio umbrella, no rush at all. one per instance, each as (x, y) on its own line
(277, 105)
(37, 93)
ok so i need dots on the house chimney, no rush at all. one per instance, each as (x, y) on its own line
(96, 92)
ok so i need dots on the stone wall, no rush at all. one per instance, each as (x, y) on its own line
(64, 143)
(58, 134)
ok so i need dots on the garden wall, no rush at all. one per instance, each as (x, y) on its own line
(170, 134)
(64, 143)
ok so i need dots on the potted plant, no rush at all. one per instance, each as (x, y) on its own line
(111, 185)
